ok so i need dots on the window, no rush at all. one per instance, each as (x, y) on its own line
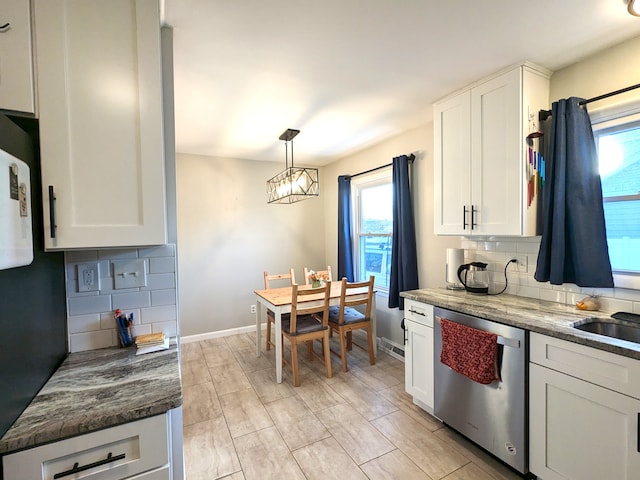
(373, 227)
(618, 142)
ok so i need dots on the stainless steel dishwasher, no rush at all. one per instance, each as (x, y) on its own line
(493, 416)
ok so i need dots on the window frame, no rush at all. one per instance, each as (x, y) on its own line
(608, 119)
(369, 180)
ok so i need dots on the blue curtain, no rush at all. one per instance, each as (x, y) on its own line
(404, 258)
(345, 243)
(573, 248)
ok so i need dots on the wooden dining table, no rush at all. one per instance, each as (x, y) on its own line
(278, 300)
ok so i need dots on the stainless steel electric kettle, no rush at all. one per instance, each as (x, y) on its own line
(476, 277)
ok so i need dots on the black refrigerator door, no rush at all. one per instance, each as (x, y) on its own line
(33, 338)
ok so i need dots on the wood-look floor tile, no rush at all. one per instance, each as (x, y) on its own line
(194, 371)
(404, 402)
(212, 342)
(470, 472)
(242, 341)
(366, 402)
(234, 476)
(430, 453)
(354, 433)
(200, 403)
(264, 456)
(264, 383)
(487, 463)
(244, 412)
(295, 422)
(377, 377)
(218, 355)
(249, 362)
(394, 464)
(318, 396)
(325, 460)
(229, 378)
(190, 351)
(209, 452)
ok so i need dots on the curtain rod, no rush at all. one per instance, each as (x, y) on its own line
(412, 158)
(544, 114)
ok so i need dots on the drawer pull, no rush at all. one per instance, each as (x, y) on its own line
(5, 27)
(52, 211)
(415, 311)
(638, 434)
(76, 468)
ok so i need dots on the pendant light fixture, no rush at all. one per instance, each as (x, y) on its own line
(633, 7)
(293, 184)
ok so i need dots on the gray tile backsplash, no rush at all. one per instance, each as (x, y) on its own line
(497, 251)
(90, 315)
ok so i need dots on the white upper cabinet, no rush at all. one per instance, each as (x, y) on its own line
(101, 122)
(16, 59)
(480, 183)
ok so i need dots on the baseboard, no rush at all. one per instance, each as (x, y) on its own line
(218, 334)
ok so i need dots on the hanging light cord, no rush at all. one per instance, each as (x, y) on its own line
(506, 281)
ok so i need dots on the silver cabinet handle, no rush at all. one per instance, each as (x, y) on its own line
(415, 311)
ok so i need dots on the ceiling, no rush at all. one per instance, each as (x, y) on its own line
(351, 73)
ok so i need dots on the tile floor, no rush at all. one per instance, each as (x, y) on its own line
(240, 424)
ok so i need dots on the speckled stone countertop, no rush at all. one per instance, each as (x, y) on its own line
(548, 318)
(98, 389)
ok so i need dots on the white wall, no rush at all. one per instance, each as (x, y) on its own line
(431, 248)
(612, 69)
(228, 235)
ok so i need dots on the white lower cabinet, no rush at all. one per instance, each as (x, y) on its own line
(418, 353)
(578, 429)
(135, 450)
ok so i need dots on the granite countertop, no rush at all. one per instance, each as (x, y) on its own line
(548, 318)
(98, 389)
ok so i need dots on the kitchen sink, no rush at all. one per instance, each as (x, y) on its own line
(612, 328)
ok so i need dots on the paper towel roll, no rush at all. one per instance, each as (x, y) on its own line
(455, 258)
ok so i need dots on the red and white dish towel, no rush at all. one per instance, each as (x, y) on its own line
(470, 352)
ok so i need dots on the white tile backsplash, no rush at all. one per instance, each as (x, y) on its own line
(497, 251)
(90, 316)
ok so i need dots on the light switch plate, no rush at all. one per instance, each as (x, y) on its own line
(130, 273)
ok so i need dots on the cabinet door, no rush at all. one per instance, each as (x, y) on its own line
(452, 187)
(496, 139)
(16, 60)
(101, 124)
(579, 430)
(419, 363)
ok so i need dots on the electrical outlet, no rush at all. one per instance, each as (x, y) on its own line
(522, 262)
(88, 277)
(253, 309)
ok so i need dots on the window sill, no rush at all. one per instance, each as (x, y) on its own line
(629, 281)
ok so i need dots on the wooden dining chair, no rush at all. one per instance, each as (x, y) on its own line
(344, 319)
(271, 317)
(308, 322)
(326, 273)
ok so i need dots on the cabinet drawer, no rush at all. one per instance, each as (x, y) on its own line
(419, 312)
(616, 372)
(115, 453)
